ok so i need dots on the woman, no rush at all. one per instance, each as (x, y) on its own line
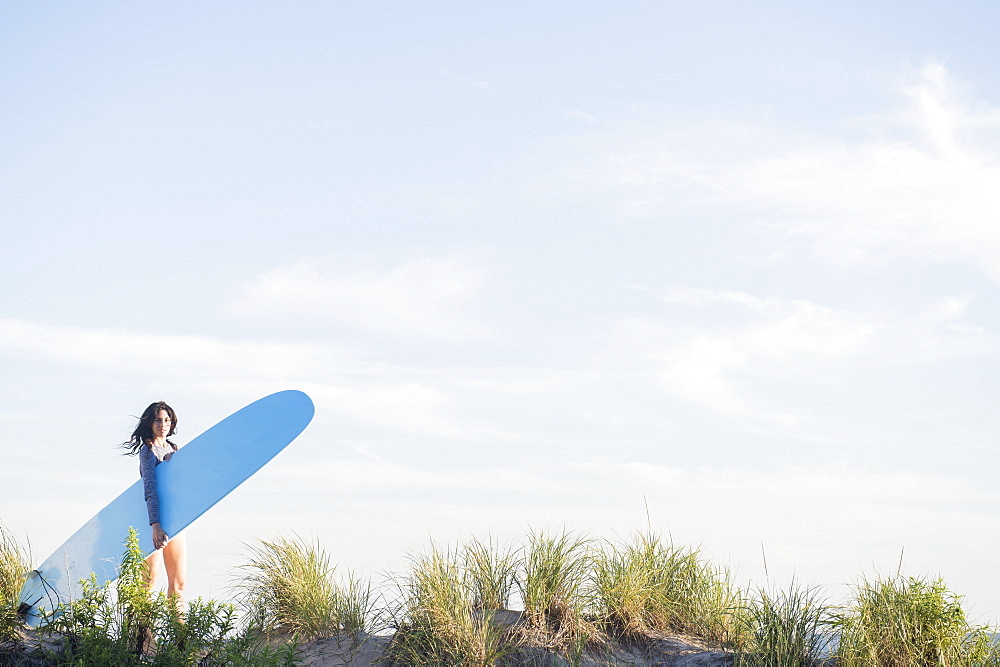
(149, 441)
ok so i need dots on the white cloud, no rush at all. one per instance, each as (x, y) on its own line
(428, 297)
(388, 476)
(180, 356)
(922, 181)
(695, 296)
(393, 404)
(581, 115)
(698, 371)
(768, 337)
(786, 328)
(808, 330)
(932, 195)
(749, 343)
(373, 396)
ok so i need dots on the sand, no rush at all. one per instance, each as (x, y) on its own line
(344, 651)
(667, 651)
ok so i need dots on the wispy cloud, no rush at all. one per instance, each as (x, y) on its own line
(397, 478)
(875, 202)
(747, 341)
(428, 297)
(180, 356)
(580, 115)
(920, 181)
(768, 337)
(373, 396)
(393, 404)
(478, 84)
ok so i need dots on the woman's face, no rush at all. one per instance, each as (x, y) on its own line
(161, 424)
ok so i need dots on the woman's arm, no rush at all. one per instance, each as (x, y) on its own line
(147, 470)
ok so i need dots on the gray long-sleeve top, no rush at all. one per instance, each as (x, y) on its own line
(149, 458)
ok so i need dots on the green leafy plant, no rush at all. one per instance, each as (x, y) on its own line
(289, 588)
(124, 623)
(908, 621)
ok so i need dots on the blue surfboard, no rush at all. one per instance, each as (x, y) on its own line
(196, 477)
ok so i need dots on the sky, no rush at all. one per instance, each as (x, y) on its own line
(728, 273)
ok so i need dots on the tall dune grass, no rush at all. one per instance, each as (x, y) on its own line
(789, 628)
(650, 586)
(910, 621)
(15, 562)
(491, 570)
(553, 586)
(445, 616)
(289, 586)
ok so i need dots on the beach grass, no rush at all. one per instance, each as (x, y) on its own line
(443, 618)
(289, 587)
(491, 570)
(556, 598)
(15, 562)
(787, 628)
(910, 621)
(554, 586)
(649, 586)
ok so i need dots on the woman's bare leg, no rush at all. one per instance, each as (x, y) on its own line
(175, 562)
(154, 564)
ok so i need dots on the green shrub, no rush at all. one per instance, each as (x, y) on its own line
(289, 588)
(907, 622)
(785, 629)
(123, 623)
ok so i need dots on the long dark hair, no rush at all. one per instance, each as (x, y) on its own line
(143, 433)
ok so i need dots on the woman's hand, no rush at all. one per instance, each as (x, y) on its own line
(159, 537)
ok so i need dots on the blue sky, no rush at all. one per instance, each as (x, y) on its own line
(542, 264)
